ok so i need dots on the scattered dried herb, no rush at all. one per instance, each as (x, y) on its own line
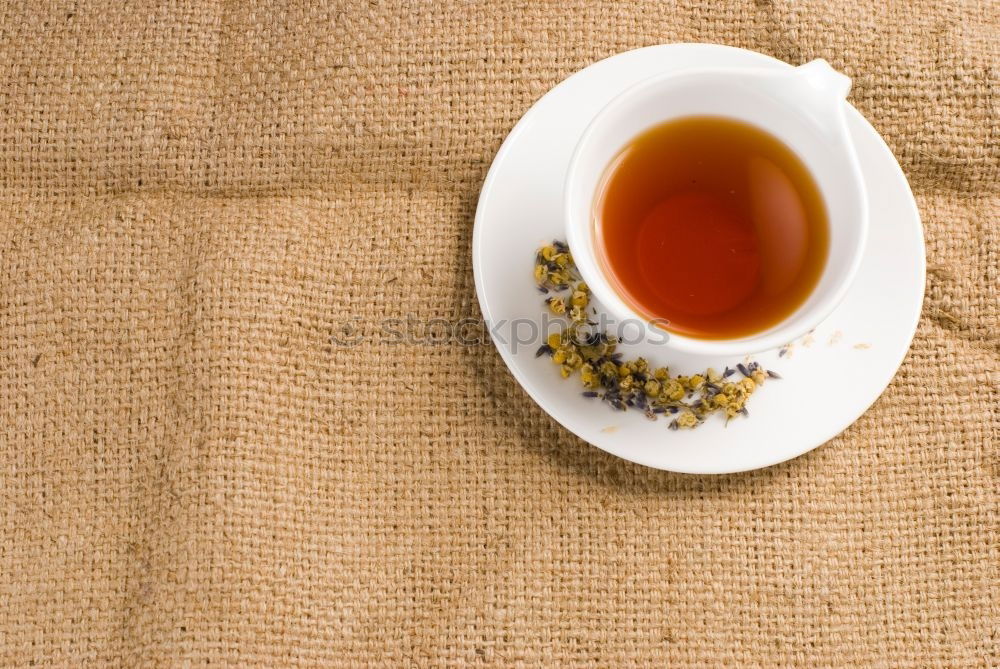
(631, 384)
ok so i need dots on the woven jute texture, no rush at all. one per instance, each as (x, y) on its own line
(195, 197)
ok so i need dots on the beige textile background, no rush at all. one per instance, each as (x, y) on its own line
(195, 196)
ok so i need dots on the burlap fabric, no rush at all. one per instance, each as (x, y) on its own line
(196, 196)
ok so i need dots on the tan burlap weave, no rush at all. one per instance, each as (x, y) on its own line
(195, 196)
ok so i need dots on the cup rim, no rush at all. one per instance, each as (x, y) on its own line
(609, 297)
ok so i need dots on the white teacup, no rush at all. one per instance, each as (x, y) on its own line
(804, 107)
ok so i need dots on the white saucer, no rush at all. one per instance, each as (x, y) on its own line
(829, 378)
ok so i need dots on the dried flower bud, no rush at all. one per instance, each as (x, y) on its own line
(687, 419)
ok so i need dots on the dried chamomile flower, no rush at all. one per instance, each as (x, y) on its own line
(557, 305)
(560, 278)
(687, 419)
(673, 390)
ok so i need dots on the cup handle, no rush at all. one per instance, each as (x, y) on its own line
(821, 76)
